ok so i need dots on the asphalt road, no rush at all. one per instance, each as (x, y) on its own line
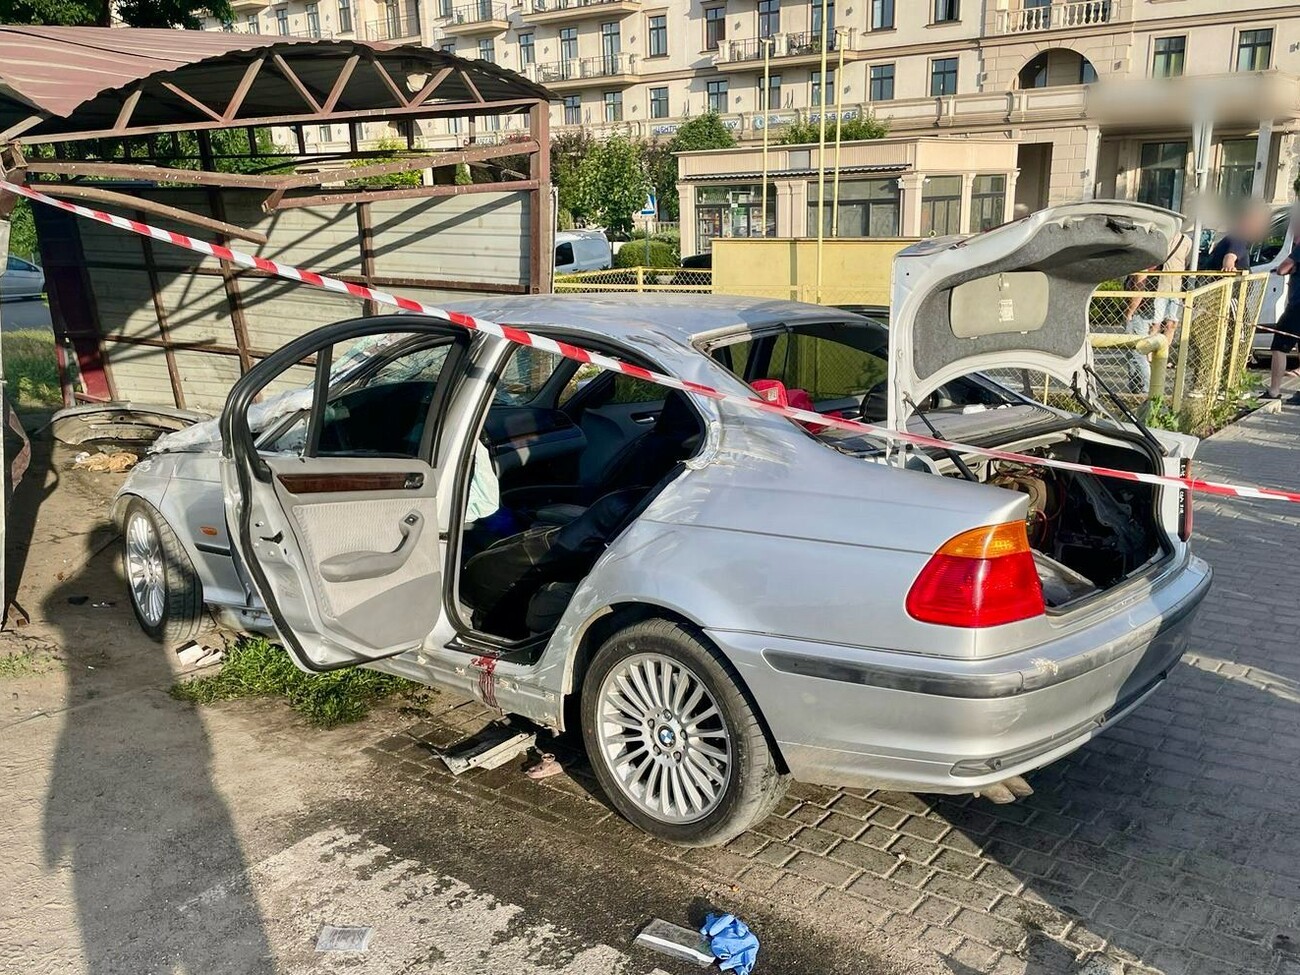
(16, 313)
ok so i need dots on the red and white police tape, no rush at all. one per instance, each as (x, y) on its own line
(574, 352)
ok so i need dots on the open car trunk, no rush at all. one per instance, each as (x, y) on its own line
(1089, 533)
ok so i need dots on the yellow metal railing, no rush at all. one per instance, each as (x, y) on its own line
(655, 279)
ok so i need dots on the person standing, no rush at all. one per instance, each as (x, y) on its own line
(1232, 252)
(1140, 320)
(1287, 336)
(1169, 311)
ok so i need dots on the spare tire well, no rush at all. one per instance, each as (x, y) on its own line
(622, 615)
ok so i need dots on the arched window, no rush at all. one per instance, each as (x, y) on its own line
(1055, 67)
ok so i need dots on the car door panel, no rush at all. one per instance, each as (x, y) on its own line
(342, 543)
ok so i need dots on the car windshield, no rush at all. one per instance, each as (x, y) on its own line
(839, 368)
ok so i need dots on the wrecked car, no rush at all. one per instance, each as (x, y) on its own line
(717, 600)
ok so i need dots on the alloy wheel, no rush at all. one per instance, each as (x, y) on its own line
(145, 571)
(664, 738)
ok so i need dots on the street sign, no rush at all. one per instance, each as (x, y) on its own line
(651, 208)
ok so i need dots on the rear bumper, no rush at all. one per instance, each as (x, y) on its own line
(857, 717)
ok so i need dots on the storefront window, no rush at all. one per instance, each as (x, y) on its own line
(1237, 168)
(1160, 180)
(988, 202)
(941, 206)
(868, 208)
(732, 211)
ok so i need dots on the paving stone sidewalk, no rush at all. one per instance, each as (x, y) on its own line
(1169, 844)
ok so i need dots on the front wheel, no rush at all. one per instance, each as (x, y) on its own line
(165, 592)
(673, 740)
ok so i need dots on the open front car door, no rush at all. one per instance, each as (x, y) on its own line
(330, 489)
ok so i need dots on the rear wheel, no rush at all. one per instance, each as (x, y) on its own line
(165, 591)
(673, 740)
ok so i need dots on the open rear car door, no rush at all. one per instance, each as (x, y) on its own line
(332, 507)
(1015, 297)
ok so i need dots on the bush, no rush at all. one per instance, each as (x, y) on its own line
(633, 254)
(853, 130)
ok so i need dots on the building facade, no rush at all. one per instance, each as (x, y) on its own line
(1027, 71)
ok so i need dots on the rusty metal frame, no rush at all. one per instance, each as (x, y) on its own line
(160, 310)
(97, 194)
(408, 193)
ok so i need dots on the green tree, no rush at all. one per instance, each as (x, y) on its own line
(568, 150)
(98, 13)
(851, 130)
(391, 150)
(702, 132)
(612, 183)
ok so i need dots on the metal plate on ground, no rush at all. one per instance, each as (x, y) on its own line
(490, 748)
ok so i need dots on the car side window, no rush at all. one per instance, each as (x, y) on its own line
(524, 376)
(563, 255)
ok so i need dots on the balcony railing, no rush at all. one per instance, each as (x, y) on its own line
(577, 69)
(1057, 16)
(392, 28)
(478, 13)
(553, 6)
(783, 46)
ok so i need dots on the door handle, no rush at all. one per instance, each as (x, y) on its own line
(355, 566)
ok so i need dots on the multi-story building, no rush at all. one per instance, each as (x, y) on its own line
(1030, 71)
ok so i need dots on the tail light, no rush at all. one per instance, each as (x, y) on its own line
(984, 577)
(1185, 506)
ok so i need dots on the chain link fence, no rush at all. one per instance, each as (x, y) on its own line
(1194, 380)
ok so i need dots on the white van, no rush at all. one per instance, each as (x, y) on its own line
(582, 250)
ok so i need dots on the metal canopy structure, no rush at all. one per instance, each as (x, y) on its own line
(99, 115)
(74, 83)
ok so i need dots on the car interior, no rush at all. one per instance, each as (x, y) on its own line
(577, 455)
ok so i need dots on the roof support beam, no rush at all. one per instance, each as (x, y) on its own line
(424, 93)
(128, 109)
(473, 88)
(294, 80)
(159, 174)
(18, 128)
(402, 97)
(410, 193)
(215, 116)
(426, 161)
(245, 83)
(341, 82)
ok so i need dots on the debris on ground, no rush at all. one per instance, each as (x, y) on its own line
(676, 942)
(113, 462)
(78, 600)
(732, 943)
(194, 654)
(343, 938)
(544, 768)
(490, 748)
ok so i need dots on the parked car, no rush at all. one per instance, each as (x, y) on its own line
(718, 600)
(582, 250)
(22, 279)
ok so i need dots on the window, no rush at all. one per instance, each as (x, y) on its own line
(941, 206)
(611, 43)
(734, 210)
(527, 49)
(943, 76)
(447, 47)
(1167, 60)
(882, 83)
(1237, 168)
(769, 17)
(568, 43)
(1160, 178)
(325, 133)
(564, 253)
(254, 24)
(572, 110)
(486, 52)
(715, 27)
(1255, 50)
(658, 102)
(658, 35)
(716, 93)
(835, 366)
(528, 370)
(988, 202)
(282, 20)
(882, 14)
(613, 106)
(817, 8)
(773, 97)
(345, 16)
(444, 8)
(817, 88)
(313, 20)
(946, 11)
(868, 208)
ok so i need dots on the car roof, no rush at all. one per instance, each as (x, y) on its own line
(667, 323)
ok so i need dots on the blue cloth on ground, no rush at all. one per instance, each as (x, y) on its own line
(731, 942)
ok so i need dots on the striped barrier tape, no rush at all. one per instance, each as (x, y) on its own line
(522, 337)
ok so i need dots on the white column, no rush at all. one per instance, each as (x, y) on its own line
(1263, 152)
(1091, 155)
(909, 203)
(963, 210)
(686, 217)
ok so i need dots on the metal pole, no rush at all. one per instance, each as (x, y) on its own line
(767, 118)
(839, 126)
(1202, 133)
(821, 164)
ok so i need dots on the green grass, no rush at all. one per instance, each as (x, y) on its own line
(23, 664)
(257, 668)
(30, 369)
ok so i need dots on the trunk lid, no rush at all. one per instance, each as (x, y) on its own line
(1013, 297)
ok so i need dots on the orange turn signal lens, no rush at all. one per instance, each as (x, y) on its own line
(989, 542)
